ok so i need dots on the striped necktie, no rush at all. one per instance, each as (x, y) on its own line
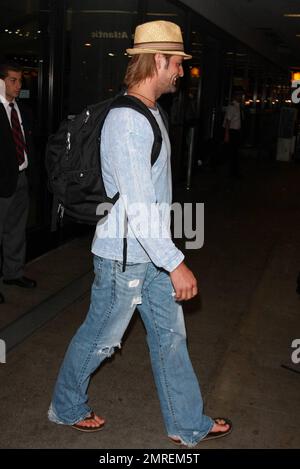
(17, 135)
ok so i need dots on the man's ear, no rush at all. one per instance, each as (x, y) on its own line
(2, 88)
(158, 60)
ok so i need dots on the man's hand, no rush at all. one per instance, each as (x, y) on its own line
(226, 132)
(226, 136)
(184, 282)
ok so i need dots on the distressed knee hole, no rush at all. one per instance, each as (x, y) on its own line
(133, 283)
(108, 350)
(176, 339)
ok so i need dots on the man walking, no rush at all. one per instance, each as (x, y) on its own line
(14, 159)
(232, 132)
(156, 278)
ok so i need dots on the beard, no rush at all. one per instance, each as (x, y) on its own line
(173, 84)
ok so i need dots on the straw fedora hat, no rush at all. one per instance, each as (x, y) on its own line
(161, 37)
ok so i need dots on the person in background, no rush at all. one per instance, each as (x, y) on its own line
(2, 93)
(156, 279)
(16, 150)
(232, 132)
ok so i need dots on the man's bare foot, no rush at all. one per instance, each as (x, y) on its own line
(220, 425)
(92, 423)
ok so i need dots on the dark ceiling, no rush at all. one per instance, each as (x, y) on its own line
(267, 17)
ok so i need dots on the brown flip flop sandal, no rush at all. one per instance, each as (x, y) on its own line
(210, 435)
(213, 435)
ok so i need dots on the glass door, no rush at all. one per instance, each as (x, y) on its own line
(24, 39)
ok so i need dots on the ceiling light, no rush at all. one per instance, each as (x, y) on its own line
(195, 72)
(295, 76)
(292, 15)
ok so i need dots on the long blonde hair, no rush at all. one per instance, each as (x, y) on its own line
(140, 67)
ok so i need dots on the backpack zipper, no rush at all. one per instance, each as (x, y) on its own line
(60, 211)
(68, 140)
(87, 116)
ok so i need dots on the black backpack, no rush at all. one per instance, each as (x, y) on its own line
(73, 160)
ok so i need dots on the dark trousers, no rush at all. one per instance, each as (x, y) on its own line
(233, 152)
(13, 220)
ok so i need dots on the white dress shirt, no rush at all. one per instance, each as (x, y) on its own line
(8, 112)
(233, 115)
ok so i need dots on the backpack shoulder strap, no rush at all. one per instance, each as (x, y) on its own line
(139, 106)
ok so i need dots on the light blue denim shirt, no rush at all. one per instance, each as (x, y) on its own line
(145, 191)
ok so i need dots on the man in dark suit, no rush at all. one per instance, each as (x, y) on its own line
(15, 153)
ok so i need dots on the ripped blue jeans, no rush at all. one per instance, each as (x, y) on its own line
(114, 297)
